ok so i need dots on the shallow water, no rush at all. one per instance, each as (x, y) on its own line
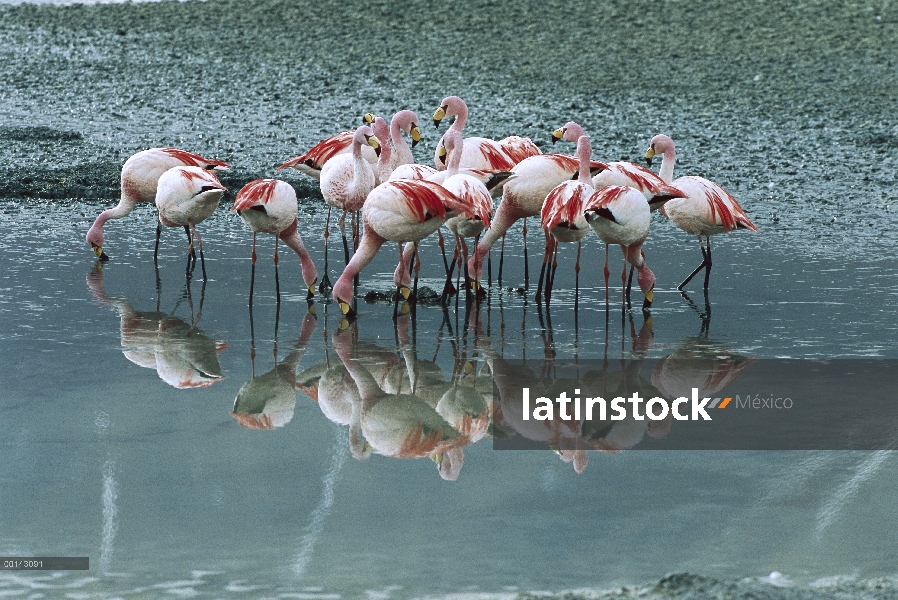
(116, 457)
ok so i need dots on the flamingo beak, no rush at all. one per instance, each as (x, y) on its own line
(416, 135)
(372, 141)
(311, 292)
(648, 156)
(312, 310)
(346, 309)
(441, 153)
(368, 119)
(649, 298)
(405, 292)
(438, 116)
(475, 286)
(98, 250)
(558, 134)
(437, 458)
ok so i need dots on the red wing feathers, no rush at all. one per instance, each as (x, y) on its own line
(195, 160)
(255, 193)
(604, 197)
(425, 198)
(322, 152)
(518, 148)
(498, 159)
(562, 206)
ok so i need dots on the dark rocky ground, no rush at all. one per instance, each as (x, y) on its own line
(790, 105)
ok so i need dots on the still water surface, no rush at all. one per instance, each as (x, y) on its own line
(121, 440)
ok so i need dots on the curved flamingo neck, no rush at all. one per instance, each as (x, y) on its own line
(122, 209)
(290, 236)
(457, 143)
(584, 152)
(461, 116)
(384, 169)
(667, 164)
(371, 243)
(362, 174)
(399, 143)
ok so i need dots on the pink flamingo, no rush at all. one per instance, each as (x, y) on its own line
(345, 181)
(705, 208)
(186, 196)
(620, 215)
(562, 217)
(404, 120)
(314, 160)
(481, 153)
(400, 211)
(140, 175)
(523, 196)
(269, 206)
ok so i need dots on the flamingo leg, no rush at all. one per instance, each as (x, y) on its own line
(554, 267)
(356, 216)
(501, 262)
(526, 265)
(464, 264)
(577, 279)
(704, 264)
(199, 243)
(156, 250)
(630, 280)
(190, 251)
(325, 280)
(448, 288)
(252, 277)
(623, 278)
(542, 269)
(708, 262)
(607, 274)
(277, 279)
(416, 259)
(342, 224)
(489, 266)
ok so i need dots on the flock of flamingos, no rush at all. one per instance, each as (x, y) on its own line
(372, 170)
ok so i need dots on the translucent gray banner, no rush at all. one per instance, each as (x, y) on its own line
(717, 403)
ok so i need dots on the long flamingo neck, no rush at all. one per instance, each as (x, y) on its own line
(362, 175)
(364, 381)
(584, 152)
(383, 163)
(399, 142)
(455, 157)
(667, 164)
(461, 117)
(371, 243)
(290, 236)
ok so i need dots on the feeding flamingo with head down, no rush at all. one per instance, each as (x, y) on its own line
(186, 196)
(523, 196)
(140, 176)
(705, 209)
(400, 211)
(620, 215)
(269, 206)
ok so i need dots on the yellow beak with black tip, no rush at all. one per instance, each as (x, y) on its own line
(649, 298)
(416, 134)
(439, 115)
(558, 134)
(372, 141)
(649, 154)
(441, 153)
(311, 292)
(368, 119)
(98, 250)
(405, 292)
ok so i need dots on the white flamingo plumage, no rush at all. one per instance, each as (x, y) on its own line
(269, 206)
(140, 176)
(523, 196)
(403, 121)
(620, 173)
(312, 162)
(481, 153)
(620, 215)
(400, 211)
(562, 218)
(186, 196)
(705, 209)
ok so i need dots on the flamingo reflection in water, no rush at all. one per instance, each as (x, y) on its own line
(181, 354)
(267, 401)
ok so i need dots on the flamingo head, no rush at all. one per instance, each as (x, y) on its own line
(659, 145)
(450, 106)
(368, 119)
(646, 280)
(95, 239)
(365, 135)
(407, 120)
(569, 132)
